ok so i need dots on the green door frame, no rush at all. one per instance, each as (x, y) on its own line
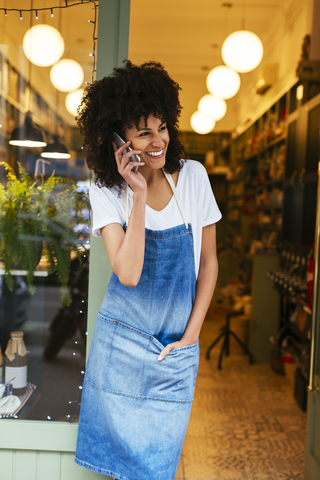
(41, 436)
(312, 453)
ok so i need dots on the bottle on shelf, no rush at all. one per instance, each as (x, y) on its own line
(16, 363)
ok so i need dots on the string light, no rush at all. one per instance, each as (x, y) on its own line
(51, 9)
(37, 15)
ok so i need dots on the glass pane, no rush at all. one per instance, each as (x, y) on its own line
(44, 218)
(313, 140)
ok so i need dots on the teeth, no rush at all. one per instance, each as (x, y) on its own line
(155, 154)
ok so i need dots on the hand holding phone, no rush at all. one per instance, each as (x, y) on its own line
(119, 142)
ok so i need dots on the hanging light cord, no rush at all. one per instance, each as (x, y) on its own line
(243, 21)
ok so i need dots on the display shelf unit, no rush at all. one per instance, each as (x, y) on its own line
(273, 173)
(256, 158)
(272, 199)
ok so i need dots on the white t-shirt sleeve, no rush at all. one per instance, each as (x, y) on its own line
(106, 208)
(209, 208)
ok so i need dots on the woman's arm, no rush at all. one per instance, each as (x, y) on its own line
(126, 250)
(206, 282)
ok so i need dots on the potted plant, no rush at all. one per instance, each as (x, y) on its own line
(39, 219)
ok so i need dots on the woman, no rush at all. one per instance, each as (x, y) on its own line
(142, 367)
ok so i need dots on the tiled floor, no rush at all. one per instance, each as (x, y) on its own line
(245, 423)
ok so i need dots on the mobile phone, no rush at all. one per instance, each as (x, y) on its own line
(119, 142)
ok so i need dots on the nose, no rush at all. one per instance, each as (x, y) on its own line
(157, 140)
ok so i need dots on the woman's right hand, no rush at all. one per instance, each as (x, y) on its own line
(134, 179)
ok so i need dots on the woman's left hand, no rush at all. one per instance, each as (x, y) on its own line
(173, 346)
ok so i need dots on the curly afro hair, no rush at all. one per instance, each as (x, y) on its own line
(118, 102)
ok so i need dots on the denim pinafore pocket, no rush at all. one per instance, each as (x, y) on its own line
(125, 362)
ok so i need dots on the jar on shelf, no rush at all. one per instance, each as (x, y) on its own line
(16, 363)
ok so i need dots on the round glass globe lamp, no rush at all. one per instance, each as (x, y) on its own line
(201, 123)
(66, 75)
(223, 82)
(73, 100)
(242, 51)
(43, 45)
(212, 107)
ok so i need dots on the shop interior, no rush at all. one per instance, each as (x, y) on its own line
(259, 141)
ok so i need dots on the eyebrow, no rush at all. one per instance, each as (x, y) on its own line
(147, 128)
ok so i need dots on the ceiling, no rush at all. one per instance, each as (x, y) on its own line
(185, 35)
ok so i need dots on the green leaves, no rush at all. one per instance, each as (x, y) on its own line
(34, 216)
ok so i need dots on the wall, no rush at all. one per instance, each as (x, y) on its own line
(283, 48)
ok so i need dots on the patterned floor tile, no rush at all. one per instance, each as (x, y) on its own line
(245, 423)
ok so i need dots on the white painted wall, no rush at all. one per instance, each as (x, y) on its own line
(284, 48)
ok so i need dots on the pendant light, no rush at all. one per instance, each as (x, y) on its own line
(242, 50)
(73, 100)
(55, 149)
(212, 107)
(43, 45)
(66, 75)
(223, 82)
(28, 134)
(201, 123)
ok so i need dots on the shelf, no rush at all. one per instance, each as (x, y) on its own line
(236, 180)
(264, 149)
(268, 226)
(268, 207)
(270, 182)
(23, 273)
(294, 329)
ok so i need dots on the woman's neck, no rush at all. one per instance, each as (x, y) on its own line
(152, 176)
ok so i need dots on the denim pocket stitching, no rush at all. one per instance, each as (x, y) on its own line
(142, 374)
(111, 348)
(128, 327)
(124, 325)
(113, 392)
(187, 347)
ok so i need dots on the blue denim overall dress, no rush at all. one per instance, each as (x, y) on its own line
(135, 409)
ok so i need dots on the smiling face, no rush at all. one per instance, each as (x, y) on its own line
(152, 139)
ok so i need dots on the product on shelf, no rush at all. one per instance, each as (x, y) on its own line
(16, 363)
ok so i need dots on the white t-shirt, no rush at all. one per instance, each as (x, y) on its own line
(195, 194)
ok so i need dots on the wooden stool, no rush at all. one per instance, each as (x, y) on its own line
(226, 332)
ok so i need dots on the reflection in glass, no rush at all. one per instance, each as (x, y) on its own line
(44, 227)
